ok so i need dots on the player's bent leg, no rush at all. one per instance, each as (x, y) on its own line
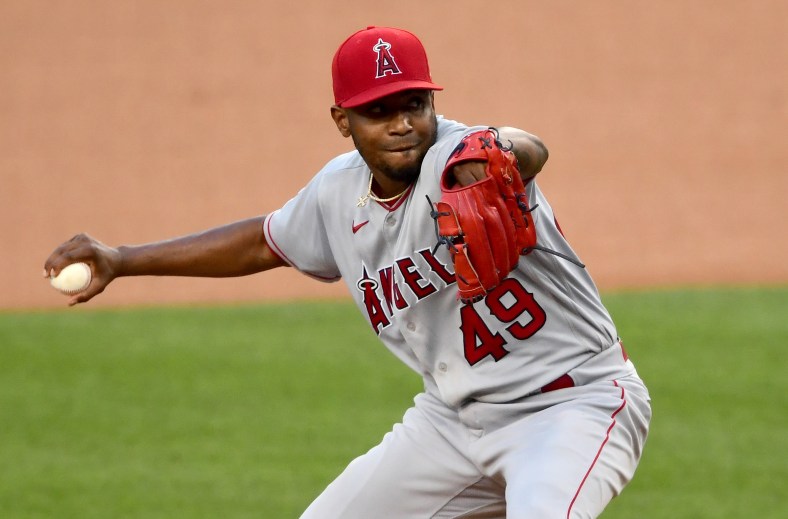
(618, 455)
(570, 459)
(415, 472)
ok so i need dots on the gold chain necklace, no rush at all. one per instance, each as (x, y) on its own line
(362, 201)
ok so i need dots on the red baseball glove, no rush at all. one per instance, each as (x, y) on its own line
(486, 225)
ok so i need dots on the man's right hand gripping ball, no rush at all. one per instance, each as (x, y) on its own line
(486, 225)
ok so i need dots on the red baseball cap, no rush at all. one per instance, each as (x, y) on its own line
(376, 62)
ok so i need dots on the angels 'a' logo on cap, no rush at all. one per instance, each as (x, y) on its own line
(386, 63)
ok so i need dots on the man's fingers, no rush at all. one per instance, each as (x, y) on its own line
(94, 289)
(464, 177)
(78, 248)
(467, 173)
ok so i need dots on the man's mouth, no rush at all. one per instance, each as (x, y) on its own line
(400, 149)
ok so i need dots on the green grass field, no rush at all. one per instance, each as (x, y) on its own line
(250, 411)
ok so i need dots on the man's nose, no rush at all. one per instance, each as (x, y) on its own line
(401, 123)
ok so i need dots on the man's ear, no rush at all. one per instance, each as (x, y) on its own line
(340, 119)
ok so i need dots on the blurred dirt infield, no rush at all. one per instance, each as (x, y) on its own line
(136, 121)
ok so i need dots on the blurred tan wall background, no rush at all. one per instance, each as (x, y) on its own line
(141, 120)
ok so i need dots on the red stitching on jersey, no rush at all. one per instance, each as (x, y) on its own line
(599, 452)
(274, 247)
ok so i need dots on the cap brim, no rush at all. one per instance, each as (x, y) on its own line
(376, 93)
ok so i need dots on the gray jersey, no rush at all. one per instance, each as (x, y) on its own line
(544, 321)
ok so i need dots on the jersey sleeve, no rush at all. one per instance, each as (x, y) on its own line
(450, 133)
(297, 234)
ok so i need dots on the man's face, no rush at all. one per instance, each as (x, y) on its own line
(392, 134)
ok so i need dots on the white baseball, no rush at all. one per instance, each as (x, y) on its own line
(72, 279)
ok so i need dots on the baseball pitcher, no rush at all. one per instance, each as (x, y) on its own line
(531, 407)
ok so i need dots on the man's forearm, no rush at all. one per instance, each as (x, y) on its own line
(530, 151)
(236, 249)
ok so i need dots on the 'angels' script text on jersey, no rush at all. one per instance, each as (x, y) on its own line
(508, 303)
